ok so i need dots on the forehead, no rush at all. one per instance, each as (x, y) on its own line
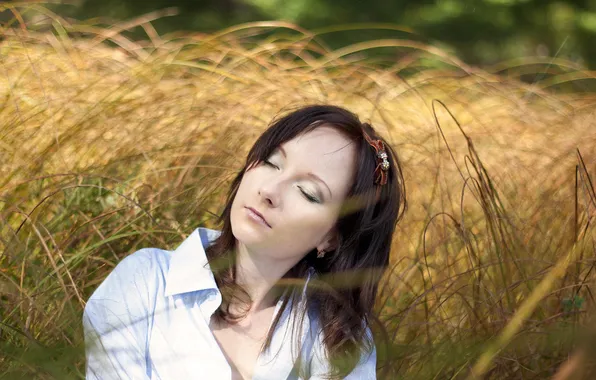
(326, 152)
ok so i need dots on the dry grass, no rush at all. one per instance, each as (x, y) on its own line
(108, 145)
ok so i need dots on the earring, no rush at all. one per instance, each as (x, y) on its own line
(320, 254)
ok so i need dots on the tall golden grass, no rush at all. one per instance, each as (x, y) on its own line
(109, 144)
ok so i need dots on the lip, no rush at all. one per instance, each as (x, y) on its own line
(257, 216)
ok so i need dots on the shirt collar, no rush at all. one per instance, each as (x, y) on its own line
(189, 269)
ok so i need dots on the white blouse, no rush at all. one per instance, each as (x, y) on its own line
(149, 319)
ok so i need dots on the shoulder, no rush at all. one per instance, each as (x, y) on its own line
(317, 335)
(319, 363)
(145, 261)
(144, 272)
(133, 283)
(147, 264)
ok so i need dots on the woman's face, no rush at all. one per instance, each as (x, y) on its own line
(299, 191)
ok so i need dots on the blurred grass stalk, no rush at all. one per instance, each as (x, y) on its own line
(523, 313)
(110, 144)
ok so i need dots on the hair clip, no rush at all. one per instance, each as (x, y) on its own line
(382, 160)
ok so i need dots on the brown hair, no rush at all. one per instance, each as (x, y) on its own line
(364, 240)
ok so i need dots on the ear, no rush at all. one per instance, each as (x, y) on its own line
(329, 241)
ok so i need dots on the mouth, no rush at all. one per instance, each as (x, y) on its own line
(257, 216)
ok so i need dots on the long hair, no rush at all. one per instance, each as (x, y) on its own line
(347, 278)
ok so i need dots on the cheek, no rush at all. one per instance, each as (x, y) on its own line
(245, 185)
(240, 197)
(302, 231)
(306, 219)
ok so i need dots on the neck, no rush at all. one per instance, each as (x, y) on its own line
(257, 275)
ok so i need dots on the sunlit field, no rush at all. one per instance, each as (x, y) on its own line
(109, 145)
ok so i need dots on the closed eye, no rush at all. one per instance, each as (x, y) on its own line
(311, 198)
(269, 163)
(308, 196)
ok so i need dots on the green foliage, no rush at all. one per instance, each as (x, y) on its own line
(480, 31)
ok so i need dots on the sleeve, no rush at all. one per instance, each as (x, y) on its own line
(366, 369)
(116, 321)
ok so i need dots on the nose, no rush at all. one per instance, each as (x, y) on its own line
(270, 193)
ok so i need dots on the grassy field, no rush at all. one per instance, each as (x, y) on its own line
(109, 145)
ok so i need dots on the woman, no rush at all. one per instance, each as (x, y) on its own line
(286, 289)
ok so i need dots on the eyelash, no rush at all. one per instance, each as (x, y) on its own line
(309, 197)
(268, 163)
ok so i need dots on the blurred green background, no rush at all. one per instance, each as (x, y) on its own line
(481, 32)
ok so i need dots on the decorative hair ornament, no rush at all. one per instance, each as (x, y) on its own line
(382, 162)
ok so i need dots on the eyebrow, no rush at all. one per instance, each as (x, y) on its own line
(312, 175)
